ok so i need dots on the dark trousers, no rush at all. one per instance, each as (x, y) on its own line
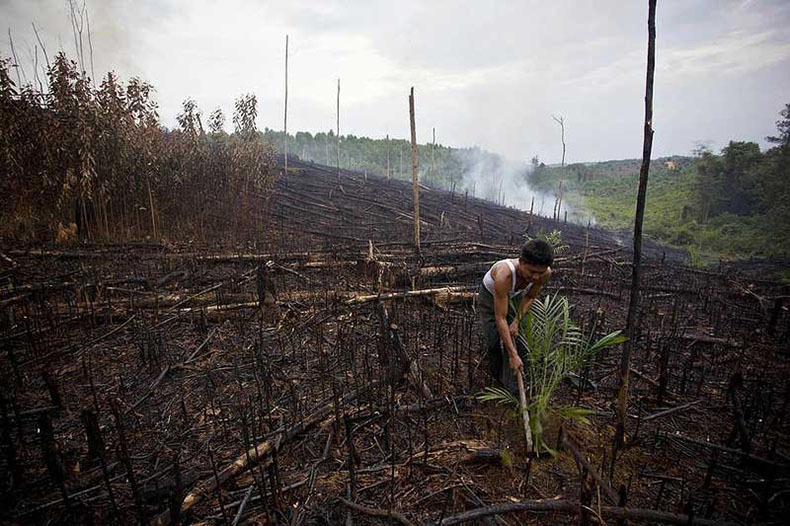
(498, 360)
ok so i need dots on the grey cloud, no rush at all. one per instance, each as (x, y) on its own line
(489, 74)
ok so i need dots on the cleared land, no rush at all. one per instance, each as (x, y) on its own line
(269, 382)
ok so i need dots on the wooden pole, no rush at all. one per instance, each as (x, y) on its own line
(326, 148)
(388, 156)
(338, 128)
(433, 155)
(414, 172)
(285, 117)
(522, 396)
(633, 301)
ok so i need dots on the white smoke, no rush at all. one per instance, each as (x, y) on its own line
(489, 176)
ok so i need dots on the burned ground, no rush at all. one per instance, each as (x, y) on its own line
(285, 380)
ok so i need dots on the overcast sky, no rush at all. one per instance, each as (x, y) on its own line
(485, 73)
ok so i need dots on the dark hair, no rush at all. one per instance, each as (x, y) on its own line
(537, 252)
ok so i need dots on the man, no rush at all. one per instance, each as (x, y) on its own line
(519, 279)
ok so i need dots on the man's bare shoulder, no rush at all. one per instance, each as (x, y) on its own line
(502, 277)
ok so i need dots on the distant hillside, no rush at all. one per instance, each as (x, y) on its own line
(691, 203)
(459, 169)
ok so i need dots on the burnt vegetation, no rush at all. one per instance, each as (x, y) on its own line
(191, 333)
(93, 162)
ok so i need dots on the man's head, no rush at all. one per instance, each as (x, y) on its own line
(536, 256)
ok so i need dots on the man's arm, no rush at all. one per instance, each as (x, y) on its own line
(501, 287)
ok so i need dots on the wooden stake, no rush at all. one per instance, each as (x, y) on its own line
(414, 172)
(433, 155)
(625, 362)
(338, 128)
(285, 117)
(522, 395)
(388, 156)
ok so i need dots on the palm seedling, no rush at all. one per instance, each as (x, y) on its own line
(555, 347)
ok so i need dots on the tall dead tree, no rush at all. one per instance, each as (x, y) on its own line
(17, 65)
(388, 156)
(433, 154)
(558, 199)
(338, 128)
(285, 116)
(633, 301)
(414, 172)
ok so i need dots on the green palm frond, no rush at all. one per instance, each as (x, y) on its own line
(576, 413)
(499, 396)
(553, 238)
(555, 347)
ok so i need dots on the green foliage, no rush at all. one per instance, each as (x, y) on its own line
(439, 166)
(732, 205)
(506, 459)
(578, 414)
(556, 347)
(500, 397)
(553, 238)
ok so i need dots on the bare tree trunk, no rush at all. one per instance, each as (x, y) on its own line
(558, 200)
(285, 116)
(16, 61)
(414, 172)
(90, 46)
(388, 156)
(433, 155)
(625, 362)
(153, 212)
(338, 128)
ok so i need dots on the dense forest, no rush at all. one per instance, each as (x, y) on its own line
(732, 204)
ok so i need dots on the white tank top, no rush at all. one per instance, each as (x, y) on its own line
(488, 280)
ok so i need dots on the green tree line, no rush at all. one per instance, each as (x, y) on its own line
(439, 166)
(732, 204)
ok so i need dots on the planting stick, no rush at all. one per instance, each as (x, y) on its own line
(524, 413)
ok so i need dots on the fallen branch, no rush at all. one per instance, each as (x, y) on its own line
(376, 512)
(646, 378)
(592, 292)
(570, 444)
(704, 338)
(208, 485)
(671, 410)
(567, 506)
(408, 294)
(74, 348)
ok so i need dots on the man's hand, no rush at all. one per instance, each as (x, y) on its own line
(515, 362)
(514, 330)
